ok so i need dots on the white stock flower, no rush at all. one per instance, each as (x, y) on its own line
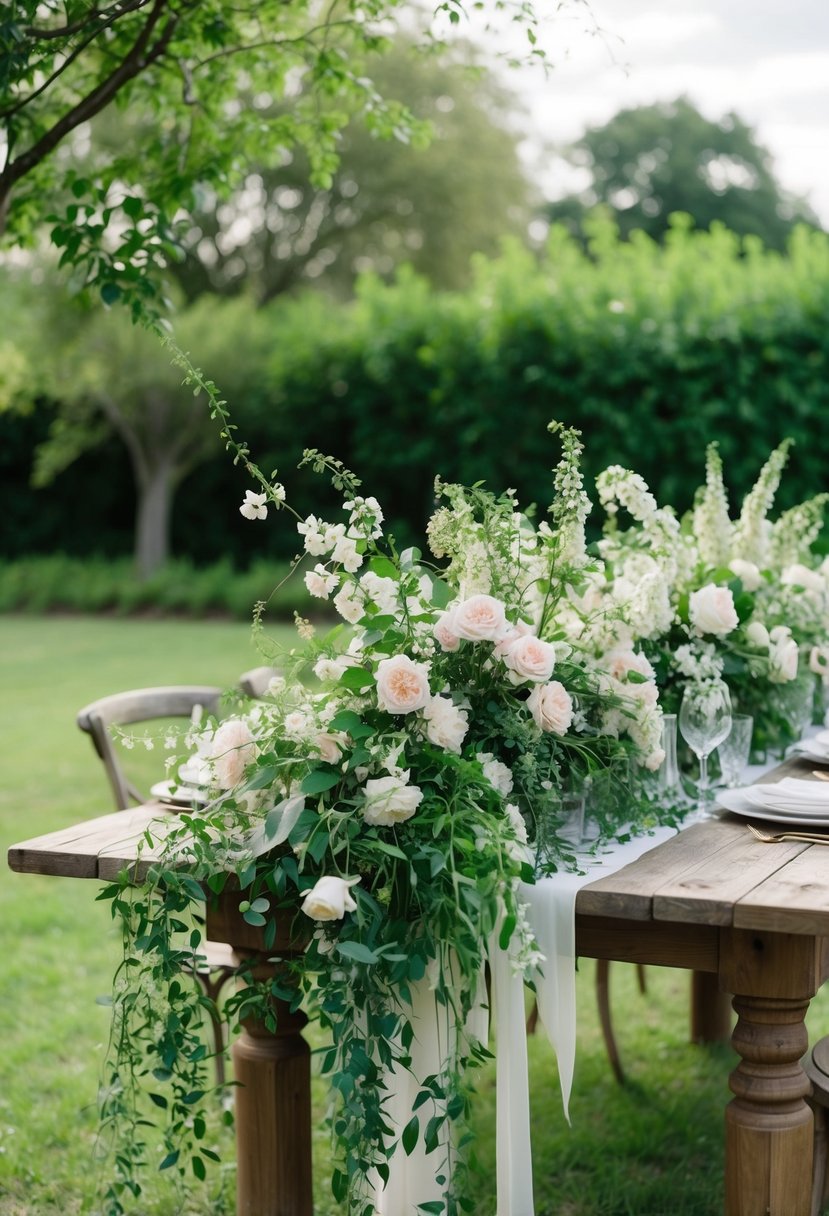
(233, 748)
(345, 553)
(801, 576)
(390, 800)
(748, 574)
(349, 604)
(529, 658)
(446, 724)
(381, 591)
(783, 656)
(712, 610)
(552, 707)
(479, 618)
(330, 898)
(320, 582)
(254, 506)
(498, 775)
(402, 685)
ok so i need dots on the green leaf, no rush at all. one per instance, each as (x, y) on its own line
(133, 206)
(356, 679)
(441, 593)
(346, 720)
(507, 930)
(199, 1168)
(356, 951)
(110, 293)
(410, 1134)
(320, 780)
(170, 1159)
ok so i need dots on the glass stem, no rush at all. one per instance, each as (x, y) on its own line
(702, 788)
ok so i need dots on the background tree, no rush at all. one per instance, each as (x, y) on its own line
(389, 202)
(651, 161)
(109, 377)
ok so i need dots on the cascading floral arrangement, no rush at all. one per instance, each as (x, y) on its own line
(744, 600)
(402, 777)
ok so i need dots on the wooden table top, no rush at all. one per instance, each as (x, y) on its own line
(712, 873)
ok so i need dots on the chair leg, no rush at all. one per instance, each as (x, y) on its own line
(532, 1020)
(603, 1003)
(212, 983)
(820, 1181)
(641, 978)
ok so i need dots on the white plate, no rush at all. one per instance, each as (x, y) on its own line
(815, 754)
(178, 795)
(801, 797)
(736, 801)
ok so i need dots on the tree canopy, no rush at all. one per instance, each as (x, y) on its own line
(206, 77)
(649, 162)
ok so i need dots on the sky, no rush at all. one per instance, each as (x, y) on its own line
(767, 60)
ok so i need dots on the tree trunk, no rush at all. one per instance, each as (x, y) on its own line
(152, 520)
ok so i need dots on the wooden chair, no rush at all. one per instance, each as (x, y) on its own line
(605, 1018)
(146, 705)
(254, 683)
(816, 1066)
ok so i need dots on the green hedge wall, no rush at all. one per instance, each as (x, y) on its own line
(652, 351)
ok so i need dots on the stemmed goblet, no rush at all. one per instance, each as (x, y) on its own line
(704, 722)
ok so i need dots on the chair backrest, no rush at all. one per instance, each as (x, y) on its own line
(254, 683)
(140, 705)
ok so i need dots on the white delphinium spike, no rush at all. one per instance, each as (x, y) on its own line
(570, 506)
(712, 522)
(752, 531)
(793, 534)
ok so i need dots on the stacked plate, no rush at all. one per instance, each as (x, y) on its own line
(189, 790)
(814, 748)
(791, 801)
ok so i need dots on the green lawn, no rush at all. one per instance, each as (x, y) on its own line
(653, 1148)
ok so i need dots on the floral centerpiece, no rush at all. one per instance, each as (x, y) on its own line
(710, 597)
(403, 775)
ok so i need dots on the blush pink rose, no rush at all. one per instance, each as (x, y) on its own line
(481, 618)
(552, 707)
(402, 685)
(232, 751)
(529, 658)
(444, 634)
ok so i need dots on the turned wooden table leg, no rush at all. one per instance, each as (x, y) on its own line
(273, 1071)
(710, 1009)
(273, 1117)
(769, 1126)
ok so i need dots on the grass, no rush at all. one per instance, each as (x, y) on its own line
(652, 1148)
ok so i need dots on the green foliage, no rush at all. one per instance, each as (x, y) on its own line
(651, 351)
(205, 80)
(65, 584)
(651, 161)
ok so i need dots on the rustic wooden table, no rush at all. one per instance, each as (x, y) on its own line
(749, 917)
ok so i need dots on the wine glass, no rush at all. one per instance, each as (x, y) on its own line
(704, 722)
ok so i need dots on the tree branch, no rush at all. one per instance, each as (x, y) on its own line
(137, 59)
(130, 7)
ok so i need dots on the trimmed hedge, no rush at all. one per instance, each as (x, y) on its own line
(651, 350)
(59, 583)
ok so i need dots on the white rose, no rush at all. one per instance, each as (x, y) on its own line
(712, 610)
(331, 745)
(446, 725)
(389, 801)
(402, 685)
(443, 632)
(232, 750)
(497, 774)
(330, 898)
(758, 635)
(531, 659)
(552, 707)
(330, 669)
(783, 657)
(480, 618)
(748, 574)
(801, 576)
